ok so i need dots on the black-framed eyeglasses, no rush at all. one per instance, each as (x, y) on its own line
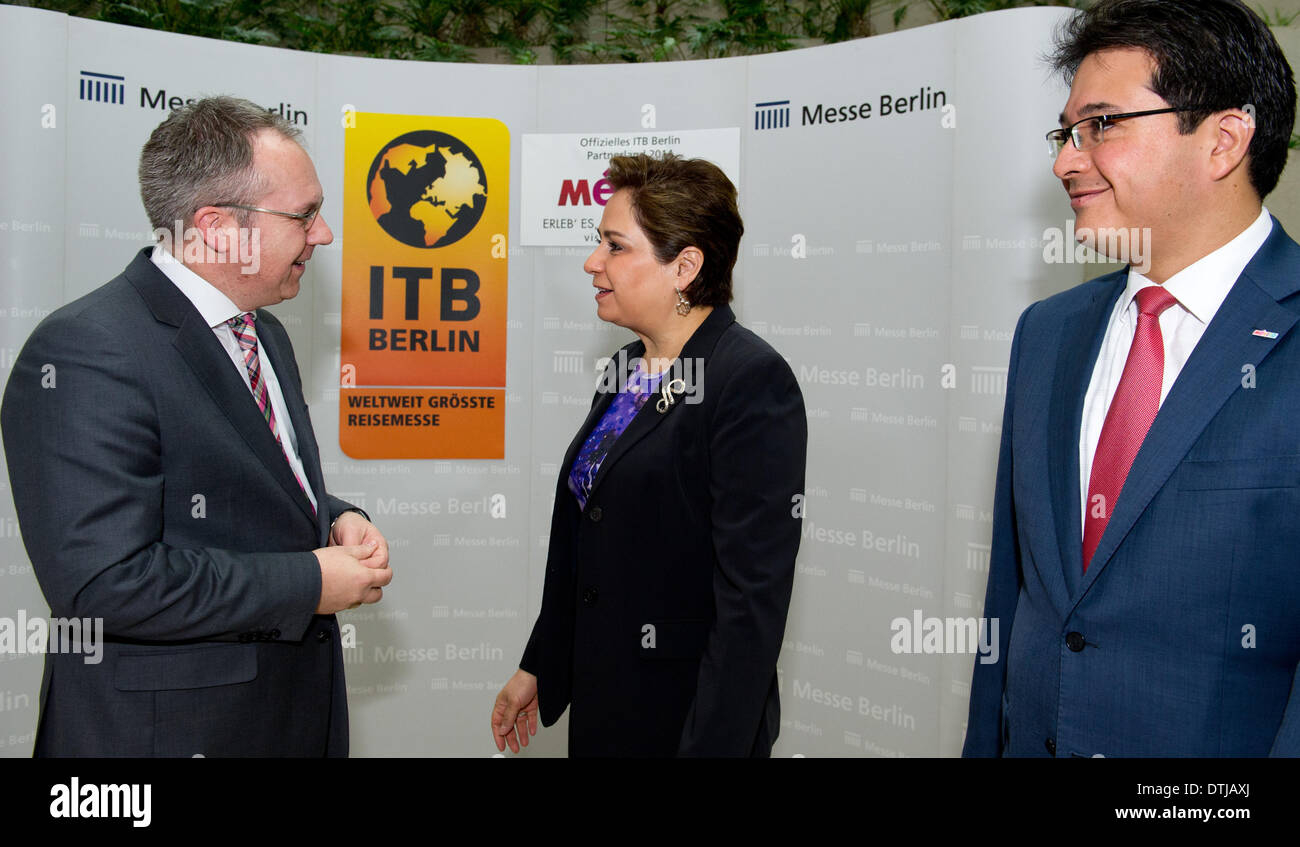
(1091, 132)
(307, 218)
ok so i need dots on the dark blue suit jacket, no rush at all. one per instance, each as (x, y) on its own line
(152, 494)
(1183, 637)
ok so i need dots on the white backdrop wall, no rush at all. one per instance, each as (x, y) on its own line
(887, 258)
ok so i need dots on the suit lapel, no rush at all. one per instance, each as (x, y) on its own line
(688, 368)
(211, 364)
(1082, 334)
(291, 391)
(1213, 373)
(616, 373)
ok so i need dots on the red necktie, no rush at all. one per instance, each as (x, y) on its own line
(1134, 407)
(246, 335)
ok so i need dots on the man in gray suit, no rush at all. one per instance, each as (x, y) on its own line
(167, 478)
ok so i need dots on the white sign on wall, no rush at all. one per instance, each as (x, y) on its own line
(564, 185)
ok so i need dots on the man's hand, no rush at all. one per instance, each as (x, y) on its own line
(514, 717)
(348, 579)
(351, 529)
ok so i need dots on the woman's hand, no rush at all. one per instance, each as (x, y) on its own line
(514, 717)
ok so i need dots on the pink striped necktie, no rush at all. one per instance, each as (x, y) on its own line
(1131, 413)
(246, 335)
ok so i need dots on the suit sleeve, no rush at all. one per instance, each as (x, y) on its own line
(984, 720)
(528, 662)
(86, 467)
(337, 507)
(757, 452)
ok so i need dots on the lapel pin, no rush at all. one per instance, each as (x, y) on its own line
(1264, 333)
(667, 394)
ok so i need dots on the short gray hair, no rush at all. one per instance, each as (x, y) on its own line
(201, 155)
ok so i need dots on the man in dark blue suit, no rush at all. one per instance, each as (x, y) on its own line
(167, 478)
(1145, 540)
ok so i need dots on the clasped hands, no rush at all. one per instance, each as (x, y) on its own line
(354, 567)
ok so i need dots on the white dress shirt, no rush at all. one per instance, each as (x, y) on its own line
(216, 308)
(1200, 289)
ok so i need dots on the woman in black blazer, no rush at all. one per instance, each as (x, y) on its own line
(677, 512)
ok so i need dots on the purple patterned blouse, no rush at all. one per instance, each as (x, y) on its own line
(640, 386)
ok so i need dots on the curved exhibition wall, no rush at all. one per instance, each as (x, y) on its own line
(900, 212)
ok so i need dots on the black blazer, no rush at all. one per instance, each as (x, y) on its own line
(666, 597)
(152, 494)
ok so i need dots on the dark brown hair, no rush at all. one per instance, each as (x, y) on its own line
(682, 203)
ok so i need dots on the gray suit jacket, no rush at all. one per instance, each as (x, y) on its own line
(152, 494)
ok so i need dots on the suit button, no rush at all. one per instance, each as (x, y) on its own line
(595, 514)
(275, 633)
(1050, 744)
(323, 635)
(589, 596)
(1074, 641)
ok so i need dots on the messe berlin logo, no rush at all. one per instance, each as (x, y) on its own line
(774, 114)
(427, 189)
(102, 88)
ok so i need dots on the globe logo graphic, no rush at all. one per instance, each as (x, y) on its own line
(426, 189)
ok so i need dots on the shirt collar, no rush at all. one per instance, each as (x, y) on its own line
(215, 307)
(1202, 286)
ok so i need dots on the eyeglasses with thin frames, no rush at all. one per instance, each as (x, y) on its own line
(307, 218)
(1090, 132)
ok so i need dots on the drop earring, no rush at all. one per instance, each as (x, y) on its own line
(683, 305)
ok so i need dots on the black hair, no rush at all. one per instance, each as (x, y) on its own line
(1214, 54)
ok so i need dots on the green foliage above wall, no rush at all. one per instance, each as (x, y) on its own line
(528, 31)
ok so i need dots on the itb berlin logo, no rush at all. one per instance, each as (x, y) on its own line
(427, 189)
